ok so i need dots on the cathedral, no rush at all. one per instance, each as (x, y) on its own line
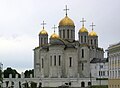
(64, 56)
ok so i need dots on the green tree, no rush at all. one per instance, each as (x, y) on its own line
(28, 72)
(1, 79)
(8, 71)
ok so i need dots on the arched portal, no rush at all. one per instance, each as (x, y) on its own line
(82, 84)
(89, 83)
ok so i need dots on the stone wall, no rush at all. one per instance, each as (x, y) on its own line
(49, 82)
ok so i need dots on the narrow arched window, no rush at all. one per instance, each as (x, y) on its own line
(81, 39)
(85, 39)
(60, 32)
(95, 41)
(68, 33)
(55, 60)
(91, 41)
(82, 53)
(41, 40)
(42, 63)
(70, 61)
(63, 33)
(59, 60)
(45, 40)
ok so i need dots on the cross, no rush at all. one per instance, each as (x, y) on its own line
(83, 21)
(54, 27)
(92, 25)
(66, 9)
(43, 24)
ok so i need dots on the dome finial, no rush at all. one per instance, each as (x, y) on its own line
(92, 25)
(54, 27)
(54, 35)
(66, 9)
(92, 33)
(83, 21)
(43, 24)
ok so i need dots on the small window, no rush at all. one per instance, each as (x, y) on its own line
(99, 73)
(101, 66)
(103, 73)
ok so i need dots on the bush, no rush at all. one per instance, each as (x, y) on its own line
(100, 86)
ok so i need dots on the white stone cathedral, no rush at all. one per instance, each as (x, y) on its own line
(63, 56)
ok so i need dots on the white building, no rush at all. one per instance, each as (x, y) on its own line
(63, 56)
(114, 66)
(99, 68)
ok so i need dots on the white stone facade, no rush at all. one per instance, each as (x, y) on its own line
(63, 57)
(114, 65)
(114, 61)
(99, 70)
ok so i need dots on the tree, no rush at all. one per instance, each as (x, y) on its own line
(28, 72)
(8, 71)
(0, 75)
(1, 79)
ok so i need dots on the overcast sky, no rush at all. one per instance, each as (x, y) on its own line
(20, 24)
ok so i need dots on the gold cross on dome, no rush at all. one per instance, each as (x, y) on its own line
(66, 9)
(83, 21)
(92, 25)
(54, 27)
(43, 24)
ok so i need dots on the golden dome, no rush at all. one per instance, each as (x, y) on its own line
(92, 33)
(54, 36)
(66, 22)
(83, 29)
(43, 32)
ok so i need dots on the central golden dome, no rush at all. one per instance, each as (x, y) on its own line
(83, 29)
(43, 32)
(54, 36)
(66, 21)
(92, 33)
